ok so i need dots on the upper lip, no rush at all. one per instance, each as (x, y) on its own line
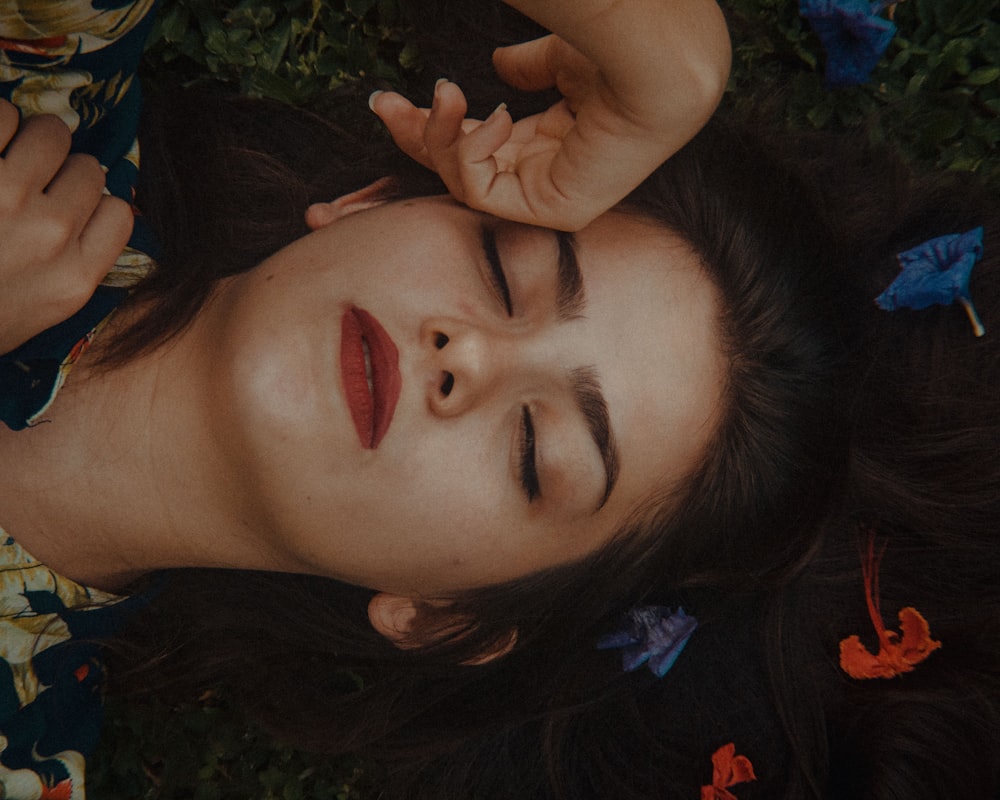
(371, 410)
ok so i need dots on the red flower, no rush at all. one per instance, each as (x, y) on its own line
(896, 654)
(728, 769)
(61, 791)
(37, 47)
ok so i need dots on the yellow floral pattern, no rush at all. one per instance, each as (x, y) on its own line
(24, 635)
(81, 27)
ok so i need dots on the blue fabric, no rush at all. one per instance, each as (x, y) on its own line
(51, 675)
(29, 373)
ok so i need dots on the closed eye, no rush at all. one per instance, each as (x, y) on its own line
(497, 279)
(529, 472)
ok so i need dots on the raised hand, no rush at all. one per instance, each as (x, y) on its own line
(59, 234)
(629, 102)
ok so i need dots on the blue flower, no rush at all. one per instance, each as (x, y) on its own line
(937, 272)
(651, 634)
(853, 35)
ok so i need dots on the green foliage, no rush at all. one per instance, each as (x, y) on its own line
(207, 751)
(290, 50)
(935, 95)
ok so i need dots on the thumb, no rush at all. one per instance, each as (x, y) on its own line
(526, 65)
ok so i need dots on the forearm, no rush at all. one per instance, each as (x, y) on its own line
(638, 79)
(667, 60)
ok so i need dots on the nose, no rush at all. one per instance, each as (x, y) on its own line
(469, 364)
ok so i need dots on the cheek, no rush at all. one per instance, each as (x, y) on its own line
(445, 492)
(446, 483)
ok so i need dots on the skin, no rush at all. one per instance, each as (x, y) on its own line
(233, 445)
(639, 78)
(439, 504)
(60, 234)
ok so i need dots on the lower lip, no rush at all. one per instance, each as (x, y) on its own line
(371, 411)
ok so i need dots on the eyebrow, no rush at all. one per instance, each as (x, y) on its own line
(590, 400)
(570, 300)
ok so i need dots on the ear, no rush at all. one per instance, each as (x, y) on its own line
(319, 215)
(397, 619)
(394, 617)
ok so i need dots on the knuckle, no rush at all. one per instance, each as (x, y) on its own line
(572, 220)
(74, 296)
(52, 236)
(85, 174)
(120, 218)
(117, 206)
(50, 129)
(10, 118)
(87, 165)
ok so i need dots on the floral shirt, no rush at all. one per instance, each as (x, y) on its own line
(50, 676)
(76, 59)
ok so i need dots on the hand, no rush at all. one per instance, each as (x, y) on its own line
(561, 168)
(59, 234)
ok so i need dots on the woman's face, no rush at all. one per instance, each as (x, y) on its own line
(513, 423)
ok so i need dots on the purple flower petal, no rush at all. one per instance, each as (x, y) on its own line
(853, 35)
(936, 272)
(651, 634)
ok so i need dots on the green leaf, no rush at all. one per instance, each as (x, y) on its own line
(915, 84)
(359, 7)
(174, 23)
(819, 116)
(409, 57)
(264, 83)
(939, 126)
(983, 76)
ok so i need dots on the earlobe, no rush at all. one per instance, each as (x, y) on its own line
(319, 215)
(397, 619)
(393, 616)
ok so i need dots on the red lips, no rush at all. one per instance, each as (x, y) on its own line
(371, 409)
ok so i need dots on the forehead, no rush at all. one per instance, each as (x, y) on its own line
(657, 349)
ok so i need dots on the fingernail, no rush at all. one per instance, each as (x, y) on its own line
(439, 81)
(498, 109)
(371, 99)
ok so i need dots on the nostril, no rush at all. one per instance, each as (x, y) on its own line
(447, 384)
(440, 340)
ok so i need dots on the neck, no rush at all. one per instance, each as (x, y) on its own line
(125, 477)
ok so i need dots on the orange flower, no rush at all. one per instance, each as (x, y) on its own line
(728, 769)
(896, 654)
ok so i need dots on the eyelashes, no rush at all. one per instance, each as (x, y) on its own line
(529, 473)
(497, 278)
(500, 288)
